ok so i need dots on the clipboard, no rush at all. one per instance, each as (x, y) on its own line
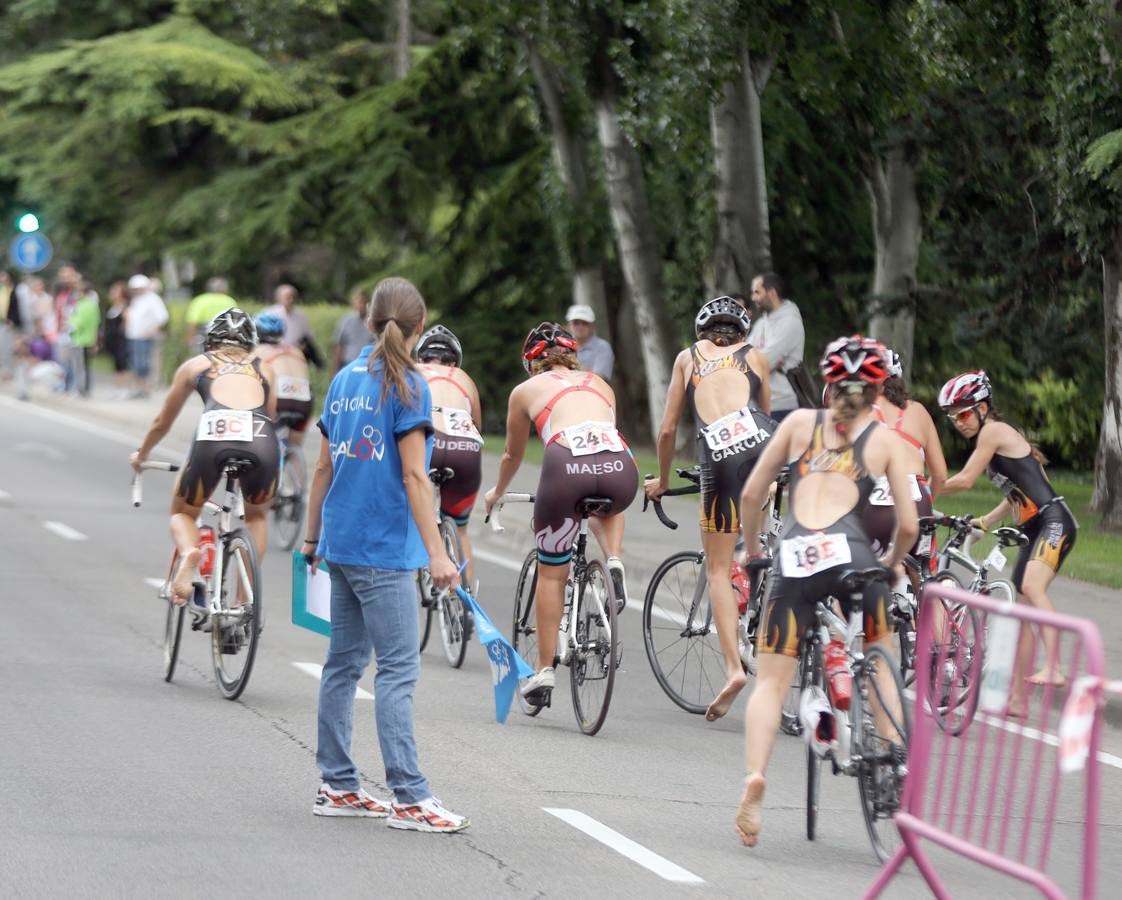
(311, 597)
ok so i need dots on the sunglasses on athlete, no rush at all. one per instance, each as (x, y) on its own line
(963, 415)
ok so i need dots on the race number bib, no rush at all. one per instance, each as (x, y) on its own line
(225, 425)
(925, 544)
(289, 388)
(801, 557)
(731, 429)
(458, 422)
(882, 494)
(996, 560)
(592, 437)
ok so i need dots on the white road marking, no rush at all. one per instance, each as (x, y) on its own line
(38, 449)
(4, 495)
(498, 559)
(648, 859)
(316, 671)
(64, 531)
(157, 583)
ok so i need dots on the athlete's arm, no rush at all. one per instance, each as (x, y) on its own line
(270, 376)
(984, 450)
(180, 390)
(759, 365)
(774, 457)
(995, 515)
(476, 405)
(517, 434)
(907, 520)
(933, 452)
(668, 430)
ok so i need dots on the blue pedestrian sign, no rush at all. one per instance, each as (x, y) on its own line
(30, 252)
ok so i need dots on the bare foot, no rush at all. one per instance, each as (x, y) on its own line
(1017, 708)
(748, 819)
(183, 585)
(1046, 676)
(723, 703)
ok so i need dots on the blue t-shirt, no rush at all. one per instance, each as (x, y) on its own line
(366, 515)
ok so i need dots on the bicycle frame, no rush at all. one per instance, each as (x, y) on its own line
(853, 632)
(233, 506)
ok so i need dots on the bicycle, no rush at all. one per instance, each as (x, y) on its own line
(691, 673)
(291, 498)
(456, 621)
(587, 641)
(228, 600)
(954, 696)
(875, 752)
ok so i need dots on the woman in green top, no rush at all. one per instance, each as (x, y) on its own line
(84, 322)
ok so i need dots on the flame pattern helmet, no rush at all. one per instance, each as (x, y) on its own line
(440, 341)
(234, 326)
(541, 338)
(966, 389)
(270, 327)
(854, 360)
(721, 311)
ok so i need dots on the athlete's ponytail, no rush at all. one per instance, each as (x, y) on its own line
(397, 310)
(846, 406)
(992, 412)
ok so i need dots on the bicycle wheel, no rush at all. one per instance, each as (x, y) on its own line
(959, 643)
(289, 502)
(524, 630)
(678, 633)
(455, 618)
(881, 728)
(173, 625)
(789, 722)
(237, 626)
(810, 662)
(592, 668)
(426, 604)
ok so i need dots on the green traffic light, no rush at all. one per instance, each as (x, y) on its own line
(28, 223)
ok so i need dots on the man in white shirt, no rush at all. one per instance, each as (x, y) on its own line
(593, 353)
(778, 333)
(145, 316)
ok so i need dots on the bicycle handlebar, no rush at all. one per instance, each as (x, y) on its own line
(493, 517)
(695, 488)
(137, 494)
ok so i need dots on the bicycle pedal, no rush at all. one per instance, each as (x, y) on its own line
(542, 698)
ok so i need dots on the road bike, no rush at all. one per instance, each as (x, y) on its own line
(587, 640)
(227, 600)
(869, 740)
(290, 501)
(962, 631)
(455, 619)
(678, 631)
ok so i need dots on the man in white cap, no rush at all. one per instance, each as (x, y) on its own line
(594, 353)
(144, 317)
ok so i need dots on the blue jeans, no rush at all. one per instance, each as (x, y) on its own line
(140, 358)
(373, 612)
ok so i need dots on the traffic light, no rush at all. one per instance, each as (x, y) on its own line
(28, 223)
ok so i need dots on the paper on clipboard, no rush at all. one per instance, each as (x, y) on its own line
(311, 597)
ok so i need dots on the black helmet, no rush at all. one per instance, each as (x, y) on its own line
(233, 326)
(722, 311)
(541, 338)
(439, 341)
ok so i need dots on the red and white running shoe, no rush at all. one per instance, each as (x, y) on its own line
(428, 815)
(348, 803)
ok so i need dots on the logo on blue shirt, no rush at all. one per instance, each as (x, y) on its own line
(369, 446)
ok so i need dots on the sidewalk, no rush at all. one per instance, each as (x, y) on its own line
(647, 542)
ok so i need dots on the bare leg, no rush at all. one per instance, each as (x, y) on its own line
(257, 524)
(608, 533)
(1034, 591)
(549, 599)
(761, 723)
(185, 536)
(726, 615)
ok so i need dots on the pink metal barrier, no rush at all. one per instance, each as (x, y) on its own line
(986, 783)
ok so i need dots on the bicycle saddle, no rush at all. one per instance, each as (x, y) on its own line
(442, 475)
(595, 506)
(854, 580)
(237, 466)
(1007, 537)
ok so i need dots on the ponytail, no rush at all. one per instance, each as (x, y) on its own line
(847, 406)
(1034, 448)
(895, 392)
(397, 310)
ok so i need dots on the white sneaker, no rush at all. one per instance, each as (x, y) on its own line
(429, 816)
(541, 681)
(615, 569)
(348, 803)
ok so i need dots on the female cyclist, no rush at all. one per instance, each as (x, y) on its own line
(574, 413)
(836, 456)
(457, 417)
(725, 382)
(239, 405)
(1015, 467)
(294, 387)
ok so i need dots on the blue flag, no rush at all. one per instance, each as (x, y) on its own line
(507, 667)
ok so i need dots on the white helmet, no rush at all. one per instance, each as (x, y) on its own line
(819, 728)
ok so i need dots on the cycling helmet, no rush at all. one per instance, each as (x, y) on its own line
(541, 338)
(270, 327)
(722, 311)
(439, 341)
(895, 365)
(966, 389)
(233, 326)
(854, 360)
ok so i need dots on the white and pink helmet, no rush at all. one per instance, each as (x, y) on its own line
(966, 389)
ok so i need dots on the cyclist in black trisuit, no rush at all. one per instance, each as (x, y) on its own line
(240, 403)
(835, 456)
(1015, 468)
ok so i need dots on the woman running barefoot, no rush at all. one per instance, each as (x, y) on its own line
(835, 457)
(1016, 469)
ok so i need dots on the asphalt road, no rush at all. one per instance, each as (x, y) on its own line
(116, 784)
